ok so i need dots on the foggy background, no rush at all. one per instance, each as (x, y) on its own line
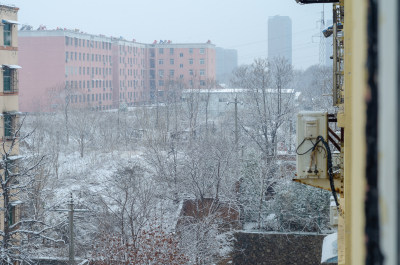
(231, 24)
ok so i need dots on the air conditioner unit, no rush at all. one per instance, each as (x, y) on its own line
(311, 159)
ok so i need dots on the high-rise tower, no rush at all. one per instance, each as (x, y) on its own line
(280, 37)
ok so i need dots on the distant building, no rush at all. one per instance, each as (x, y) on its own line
(184, 65)
(280, 37)
(221, 101)
(70, 67)
(227, 61)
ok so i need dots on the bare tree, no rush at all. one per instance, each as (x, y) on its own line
(129, 200)
(154, 246)
(18, 176)
(82, 127)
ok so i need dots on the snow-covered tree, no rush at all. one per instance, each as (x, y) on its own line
(21, 231)
(128, 200)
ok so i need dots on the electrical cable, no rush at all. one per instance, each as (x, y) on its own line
(297, 149)
(315, 146)
(330, 173)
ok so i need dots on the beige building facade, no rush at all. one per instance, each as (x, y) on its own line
(9, 107)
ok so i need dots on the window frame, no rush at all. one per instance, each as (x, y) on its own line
(7, 34)
(9, 125)
(10, 80)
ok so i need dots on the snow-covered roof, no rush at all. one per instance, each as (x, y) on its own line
(238, 90)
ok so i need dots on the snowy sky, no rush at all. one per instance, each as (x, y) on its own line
(234, 24)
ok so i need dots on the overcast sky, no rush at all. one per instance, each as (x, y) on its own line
(235, 24)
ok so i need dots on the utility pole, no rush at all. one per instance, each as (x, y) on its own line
(71, 231)
(71, 209)
(322, 50)
(236, 118)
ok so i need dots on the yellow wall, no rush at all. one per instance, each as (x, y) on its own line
(8, 102)
(358, 83)
(10, 14)
(351, 238)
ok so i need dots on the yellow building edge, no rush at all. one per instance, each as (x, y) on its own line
(358, 145)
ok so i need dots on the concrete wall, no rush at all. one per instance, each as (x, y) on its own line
(277, 249)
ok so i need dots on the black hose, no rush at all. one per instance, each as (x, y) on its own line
(330, 170)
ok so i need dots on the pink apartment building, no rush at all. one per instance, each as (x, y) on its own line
(70, 67)
(190, 65)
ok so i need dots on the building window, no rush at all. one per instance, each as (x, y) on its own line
(171, 51)
(191, 50)
(190, 72)
(160, 61)
(202, 51)
(181, 76)
(9, 124)
(160, 50)
(11, 214)
(201, 61)
(161, 73)
(161, 82)
(190, 61)
(181, 54)
(171, 73)
(181, 65)
(202, 72)
(7, 34)
(202, 82)
(171, 61)
(10, 80)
